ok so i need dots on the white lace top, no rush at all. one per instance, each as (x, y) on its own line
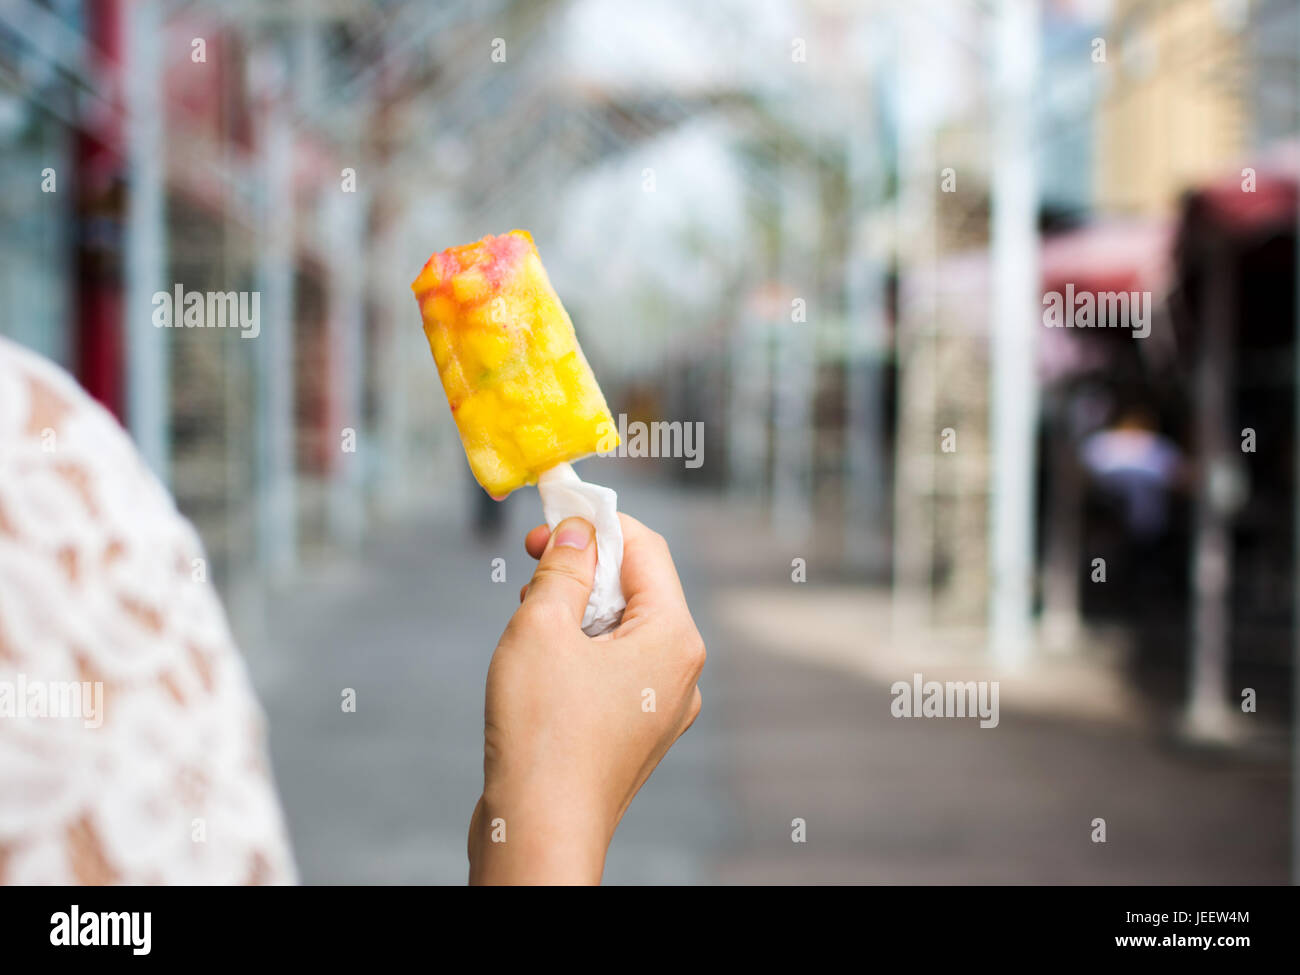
(132, 749)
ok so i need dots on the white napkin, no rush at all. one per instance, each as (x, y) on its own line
(565, 495)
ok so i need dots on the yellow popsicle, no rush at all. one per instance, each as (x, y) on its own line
(521, 391)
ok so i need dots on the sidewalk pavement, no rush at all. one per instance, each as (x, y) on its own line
(793, 727)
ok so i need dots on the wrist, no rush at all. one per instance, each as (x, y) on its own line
(523, 837)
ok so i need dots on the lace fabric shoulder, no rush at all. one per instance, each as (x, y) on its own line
(132, 748)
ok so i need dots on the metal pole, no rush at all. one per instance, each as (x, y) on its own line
(746, 407)
(916, 437)
(864, 300)
(346, 365)
(277, 527)
(1014, 332)
(146, 350)
(398, 334)
(1207, 711)
(1063, 525)
(795, 351)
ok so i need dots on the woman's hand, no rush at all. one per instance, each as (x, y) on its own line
(575, 725)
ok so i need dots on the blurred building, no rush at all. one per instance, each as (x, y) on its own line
(1178, 101)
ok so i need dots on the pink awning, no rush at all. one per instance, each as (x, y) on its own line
(1225, 205)
(1115, 255)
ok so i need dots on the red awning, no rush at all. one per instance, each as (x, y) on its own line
(1228, 205)
(1115, 255)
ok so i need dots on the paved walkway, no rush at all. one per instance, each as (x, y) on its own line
(384, 795)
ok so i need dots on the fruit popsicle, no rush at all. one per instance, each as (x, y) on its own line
(522, 394)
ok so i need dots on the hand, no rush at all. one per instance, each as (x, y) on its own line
(569, 737)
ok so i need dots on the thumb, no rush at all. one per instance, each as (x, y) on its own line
(567, 568)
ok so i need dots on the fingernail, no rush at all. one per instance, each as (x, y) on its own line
(574, 533)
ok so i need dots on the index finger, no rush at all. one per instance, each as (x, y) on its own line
(649, 577)
(535, 541)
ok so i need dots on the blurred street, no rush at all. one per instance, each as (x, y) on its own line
(384, 795)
